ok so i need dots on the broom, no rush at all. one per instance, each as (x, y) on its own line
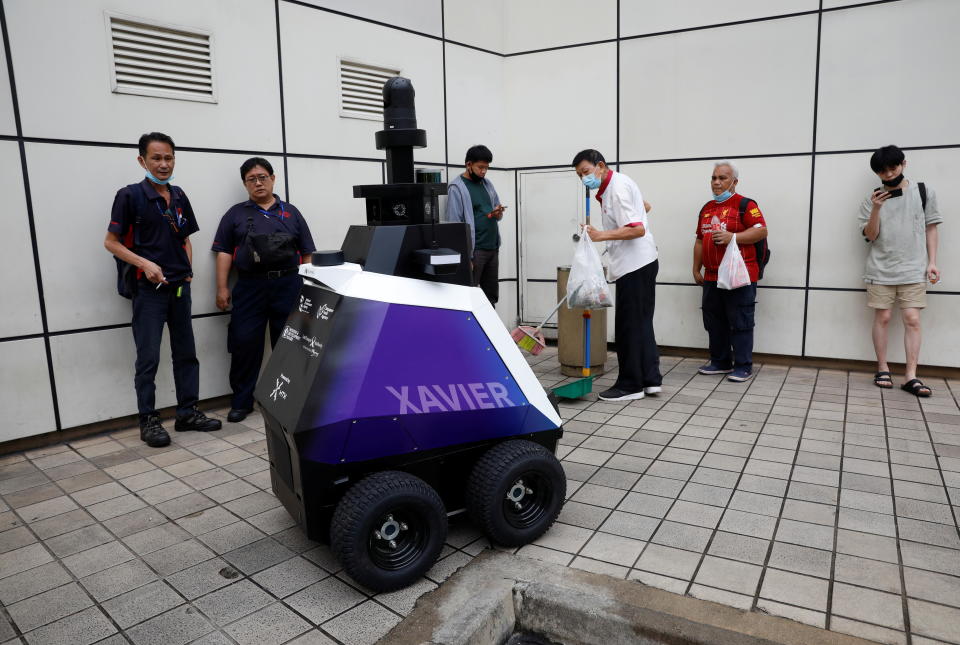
(531, 338)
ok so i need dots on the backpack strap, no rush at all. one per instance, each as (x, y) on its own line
(743, 206)
(139, 203)
(923, 195)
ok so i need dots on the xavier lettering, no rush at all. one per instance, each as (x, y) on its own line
(454, 397)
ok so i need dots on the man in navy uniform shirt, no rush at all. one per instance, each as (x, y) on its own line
(266, 239)
(150, 225)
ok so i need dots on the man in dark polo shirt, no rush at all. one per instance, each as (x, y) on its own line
(150, 227)
(471, 198)
(266, 239)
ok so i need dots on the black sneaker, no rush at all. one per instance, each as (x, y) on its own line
(152, 432)
(198, 421)
(236, 415)
(616, 394)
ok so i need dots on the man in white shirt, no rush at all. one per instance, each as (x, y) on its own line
(633, 267)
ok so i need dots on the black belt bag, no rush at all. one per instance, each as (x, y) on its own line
(270, 250)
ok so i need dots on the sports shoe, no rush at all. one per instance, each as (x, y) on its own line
(236, 415)
(712, 368)
(652, 389)
(616, 394)
(152, 432)
(740, 375)
(198, 421)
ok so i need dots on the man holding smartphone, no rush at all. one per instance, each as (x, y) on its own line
(899, 222)
(471, 198)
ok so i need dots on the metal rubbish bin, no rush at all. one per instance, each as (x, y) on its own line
(570, 334)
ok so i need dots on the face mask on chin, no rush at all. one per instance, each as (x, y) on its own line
(162, 182)
(591, 181)
(893, 183)
(724, 196)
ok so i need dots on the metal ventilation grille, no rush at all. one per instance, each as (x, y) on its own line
(154, 60)
(361, 89)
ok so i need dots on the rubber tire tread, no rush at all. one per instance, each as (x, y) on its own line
(484, 502)
(349, 545)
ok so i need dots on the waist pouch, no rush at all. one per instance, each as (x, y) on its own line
(272, 250)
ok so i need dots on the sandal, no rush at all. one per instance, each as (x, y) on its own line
(916, 387)
(883, 380)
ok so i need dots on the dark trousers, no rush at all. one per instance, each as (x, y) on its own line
(637, 351)
(728, 319)
(152, 309)
(256, 302)
(486, 267)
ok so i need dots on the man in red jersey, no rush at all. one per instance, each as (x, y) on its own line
(728, 314)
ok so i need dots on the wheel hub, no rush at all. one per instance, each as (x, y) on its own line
(517, 492)
(390, 530)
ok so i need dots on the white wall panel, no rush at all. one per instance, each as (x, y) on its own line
(79, 275)
(536, 24)
(507, 304)
(677, 191)
(779, 322)
(475, 104)
(503, 182)
(856, 69)
(312, 43)
(842, 182)
(65, 91)
(677, 321)
(839, 324)
(25, 390)
(7, 123)
(19, 300)
(653, 17)
(744, 89)
(480, 24)
(323, 191)
(559, 103)
(419, 15)
(94, 371)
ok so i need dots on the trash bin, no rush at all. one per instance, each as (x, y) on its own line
(570, 334)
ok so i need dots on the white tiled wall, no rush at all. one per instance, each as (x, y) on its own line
(743, 90)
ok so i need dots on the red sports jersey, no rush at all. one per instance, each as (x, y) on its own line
(728, 212)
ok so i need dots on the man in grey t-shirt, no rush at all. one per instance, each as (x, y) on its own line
(902, 257)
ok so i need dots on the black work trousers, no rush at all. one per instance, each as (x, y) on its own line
(636, 344)
(728, 317)
(486, 267)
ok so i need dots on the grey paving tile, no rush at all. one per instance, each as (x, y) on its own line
(97, 559)
(936, 621)
(867, 631)
(739, 577)
(117, 580)
(178, 626)
(584, 515)
(321, 601)
(795, 589)
(930, 557)
(868, 605)
(186, 505)
(925, 511)
(48, 606)
(259, 555)
(165, 492)
(207, 520)
(142, 603)
(27, 557)
(801, 511)
(714, 477)
(234, 536)
(762, 485)
(610, 477)
(604, 496)
(800, 559)
(79, 540)
(661, 486)
(203, 578)
(116, 507)
(134, 522)
(178, 557)
(289, 576)
(867, 522)
(706, 494)
(739, 547)
(668, 561)
(97, 494)
(229, 491)
(233, 602)
(682, 536)
(45, 509)
(638, 527)
(16, 538)
(272, 521)
(751, 524)
(613, 549)
(271, 625)
(867, 573)
(33, 581)
(806, 534)
(865, 545)
(933, 586)
(362, 625)
(929, 533)
(756, 503)
(695, 514)
(155, 538)
(83, 628)
(403, 600)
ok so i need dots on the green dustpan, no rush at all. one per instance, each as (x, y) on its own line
(575, 390)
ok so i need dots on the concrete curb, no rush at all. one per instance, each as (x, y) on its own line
(498, 593)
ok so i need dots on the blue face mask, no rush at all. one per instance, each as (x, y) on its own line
(724, 196)
(162, 182)
(590, 181)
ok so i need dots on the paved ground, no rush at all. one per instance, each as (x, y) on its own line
(805, 493)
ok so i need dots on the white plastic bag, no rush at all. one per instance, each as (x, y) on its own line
(587, 286)
(733, 272)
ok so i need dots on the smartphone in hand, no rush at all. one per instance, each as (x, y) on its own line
(892, 192)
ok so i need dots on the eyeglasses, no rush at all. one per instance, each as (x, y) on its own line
(258, 179)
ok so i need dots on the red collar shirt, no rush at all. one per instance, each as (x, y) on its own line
(728, 214)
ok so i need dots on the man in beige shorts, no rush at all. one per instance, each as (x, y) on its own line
(899, 222)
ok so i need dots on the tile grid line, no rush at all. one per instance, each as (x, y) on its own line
(896, 523)
(687, 480)
(733, 492)
(783, 502)
(836, 513)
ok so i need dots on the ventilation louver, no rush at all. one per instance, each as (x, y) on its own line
(361, 89)
(156, 60)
